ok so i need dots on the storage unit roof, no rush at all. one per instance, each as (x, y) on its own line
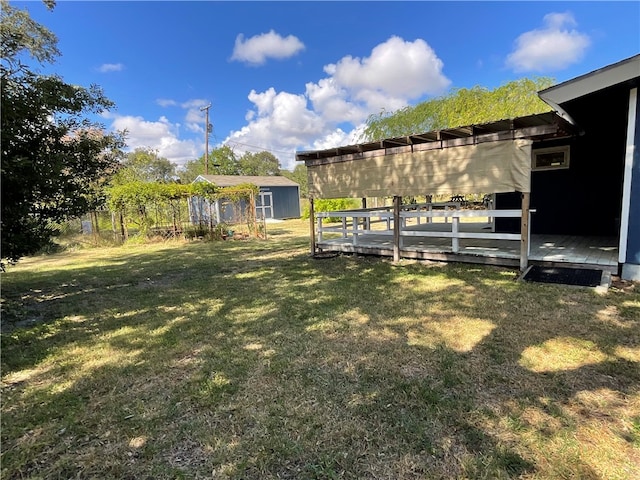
(258, 180)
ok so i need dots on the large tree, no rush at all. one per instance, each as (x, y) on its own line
(54, 158)
(222, 161)
(459, 108)
(145, 165)
(299, 175)
(260, 163)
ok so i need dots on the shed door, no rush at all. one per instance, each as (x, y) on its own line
(264, 205)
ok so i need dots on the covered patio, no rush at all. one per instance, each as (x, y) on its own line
(493, 158)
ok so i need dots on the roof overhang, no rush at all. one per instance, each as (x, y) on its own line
(627, 70)
(536, 127)
(257, 180)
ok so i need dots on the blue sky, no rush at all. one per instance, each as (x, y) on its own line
(287, 76)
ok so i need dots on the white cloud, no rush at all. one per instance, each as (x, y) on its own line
(166, 102)
(280, 123)
(332, 102)
(264, 101)
(285, 117)
(396, 72)
(110, 67)
(396, 68)
(195, 103)
(257, 49)
(337, 138)
(195, 120)
(195, 117)
(160, 135)
(553, 47)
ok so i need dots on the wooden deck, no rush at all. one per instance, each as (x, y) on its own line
(601, 252)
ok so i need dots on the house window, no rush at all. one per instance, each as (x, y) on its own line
(551, 158)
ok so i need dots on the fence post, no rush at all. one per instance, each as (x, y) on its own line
(396, 228)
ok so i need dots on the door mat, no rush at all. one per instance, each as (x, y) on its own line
(581, 277)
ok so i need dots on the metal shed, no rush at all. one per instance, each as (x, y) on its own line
(279, 197)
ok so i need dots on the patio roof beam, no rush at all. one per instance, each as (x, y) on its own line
(345, 154)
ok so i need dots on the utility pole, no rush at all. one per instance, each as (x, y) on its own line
(207, 131)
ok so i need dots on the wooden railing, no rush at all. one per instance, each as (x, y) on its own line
(355, 224)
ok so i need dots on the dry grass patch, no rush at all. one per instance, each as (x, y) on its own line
(253, 360)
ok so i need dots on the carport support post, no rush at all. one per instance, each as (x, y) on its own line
(312, 226)
(524, 232)
(397, 200)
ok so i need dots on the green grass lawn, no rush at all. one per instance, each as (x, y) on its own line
(249, 359)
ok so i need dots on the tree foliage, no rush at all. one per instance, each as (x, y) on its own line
(54, 160)
(299, 175)
(260, 163)
(20, 34)
(190, 170)
(145, 165)
(459, 108)
(224, 161)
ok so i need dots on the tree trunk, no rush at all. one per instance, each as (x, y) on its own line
(94, 220)
(123, 228)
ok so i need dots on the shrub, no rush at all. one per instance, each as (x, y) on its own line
(331, 205)
(196, 231)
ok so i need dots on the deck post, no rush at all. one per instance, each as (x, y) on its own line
(396, 227)
(354, 222)
(367, 220)
(455, 240)
(524, 232)
(312, 226)
(319, 228)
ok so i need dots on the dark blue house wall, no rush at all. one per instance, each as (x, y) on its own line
(586, 198)
(633, 238)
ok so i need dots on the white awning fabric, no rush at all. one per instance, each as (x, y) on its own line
(491, 167)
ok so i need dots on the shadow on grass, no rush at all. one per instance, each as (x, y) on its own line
(254, 360)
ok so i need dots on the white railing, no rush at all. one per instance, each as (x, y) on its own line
(361, 222)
